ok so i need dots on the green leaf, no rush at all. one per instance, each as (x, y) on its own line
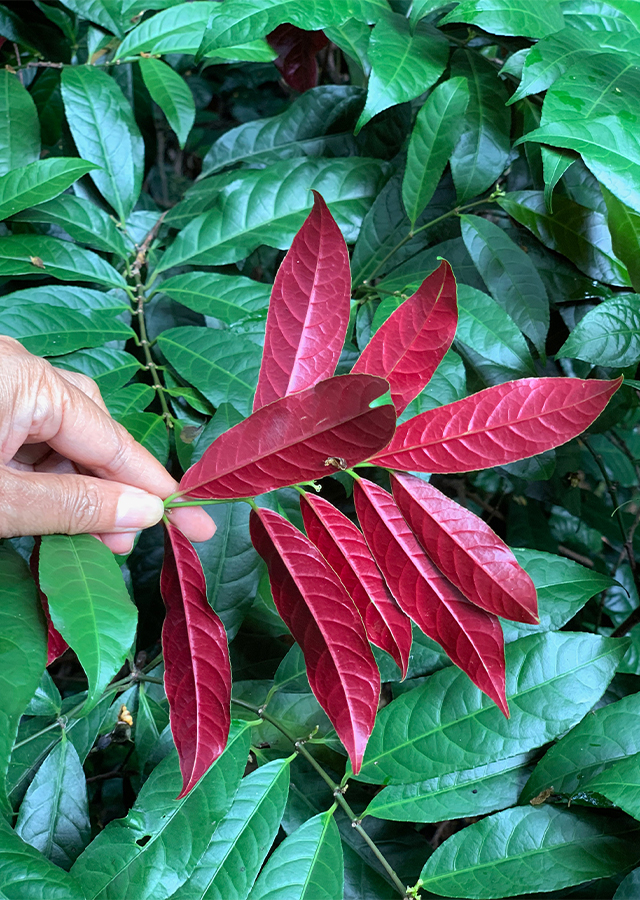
(150, 430)
(38, 181)
(490, 331)
(176, 30)
(306, 128)
(578, 233)
(352, 37)
(629, 887)
(23, 651)
(47, 700)
(89, 605)
(404, 63)
(511, 17)
(554, 164)
(482, 152)
(223, 365)
(83, 221)
(510, 275)
(54, 815)
(39, 255)
(470, 792)
(150, 721)
(435, 133)
(172, 94)
(606, 735)
(599, 15)
(105, 131)
(132, 398)
(19, 126)
(599, 85)
(103, 12)
(62, 296)
(25, 874)
(448, 383)
(422, 8)
(619, 783)
(624, 226)
(156, 847)
(553, 680)
(268, 206)
(242, 840)
(110, 369)
(608, 335)
(230, 298)
(308, 864)
(52, 331)
(534, 849)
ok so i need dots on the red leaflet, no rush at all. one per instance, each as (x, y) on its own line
(56, 644)
(297, 50)
(466, 550)
(346, 551)
(471, 637)
(324, 621)
(309, 309)
(408, 347)
(499, 425)
(297, 438)
(196, 660)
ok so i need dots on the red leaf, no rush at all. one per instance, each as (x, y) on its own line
(346, 551)
(297, 438)
(196, 661)
(56, 644)
(408, 347)
(471, 637)
(309, 310)
(501, 424)
(325, 622)
(297, 50)
(467, 551)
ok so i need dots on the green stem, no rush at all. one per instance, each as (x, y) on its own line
(146, 349)
(171, 504)
(336, 789)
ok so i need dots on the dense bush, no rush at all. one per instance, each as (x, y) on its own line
(157, 159)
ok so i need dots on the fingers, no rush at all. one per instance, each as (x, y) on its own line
(193, 522)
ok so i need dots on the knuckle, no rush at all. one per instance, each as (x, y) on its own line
(83, 506)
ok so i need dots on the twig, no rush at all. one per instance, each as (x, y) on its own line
(19, 62)
(143, 248)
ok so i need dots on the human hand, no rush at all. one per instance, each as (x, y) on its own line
(67, 467)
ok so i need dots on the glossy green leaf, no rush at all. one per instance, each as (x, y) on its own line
(530, 849)
(129, 399)
(512, 17)
(404, 64)
(578, 233)
(482, 152)
(110, 369)
(470, 792)
(25, 874)
(510, 275)
(52, 331)
(624, 226)
(68, 297)
(490, 331)
(552, 682)
(242, 840)
(308, 864)
(54, 815)
(47, 700)
(176, 30)
(601, 85)
(83, 221)
(268, 206)
(151, 719)
(554, 164)
(608, 335)
(40, 255)
(352, 37)
(89, 605)
(422, 8)
(223, 365)
(105, 131)
(448, 383)
(38, 181)
(620, 784)
(150, 430)
(156, 847)
(435, 133)
(604, 736)
(230, 298)
(172, 94)
(23, 651)
(629, 887)
(19, 126)
(306, 128)
(103, 12)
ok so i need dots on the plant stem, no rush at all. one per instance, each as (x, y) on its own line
(336, 789)
(171, 504)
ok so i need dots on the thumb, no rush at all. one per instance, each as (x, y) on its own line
(52, 503)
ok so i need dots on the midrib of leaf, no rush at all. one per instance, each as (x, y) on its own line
(418, 333)
(85, 582)
(477, 712)
(218, 578)
(56, 802)
(400, 64)
(314, 860)
(211, 364)
(580, 235)
(499, 339)
(606, 90)
(479, 98)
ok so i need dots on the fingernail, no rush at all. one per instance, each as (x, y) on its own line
(137, 509)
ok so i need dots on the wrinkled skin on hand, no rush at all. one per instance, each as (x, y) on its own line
(67, 467)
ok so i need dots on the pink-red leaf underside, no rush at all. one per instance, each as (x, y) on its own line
(466, 550)
(196, 659)
(471, 637)
(346, 551)
(309, 310)
(323, 619)
(408, 347)
(56, 644)
(297, 51)
(297, 438)
(499, 425)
